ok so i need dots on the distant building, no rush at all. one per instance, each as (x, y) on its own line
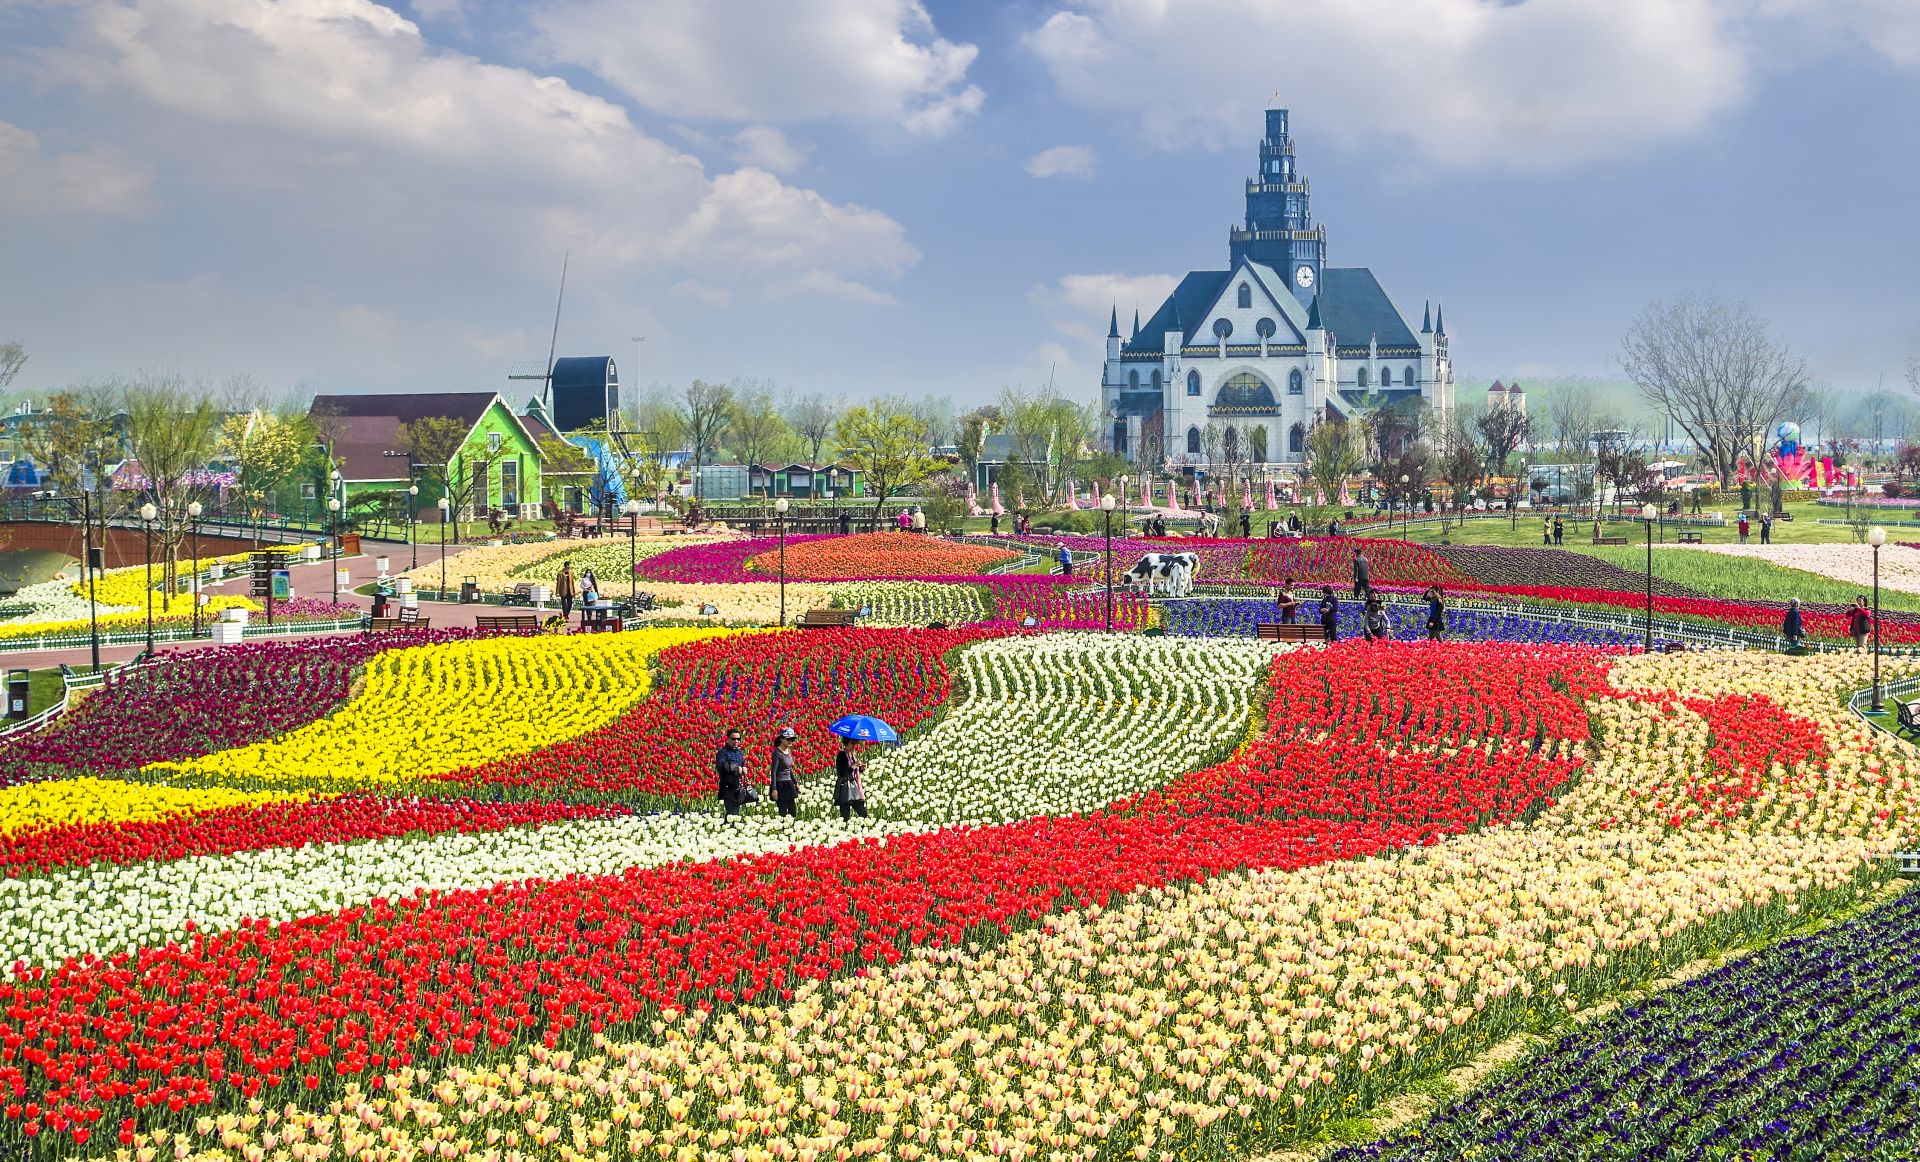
(1501, 397)
(498, 462)
(1269, 347)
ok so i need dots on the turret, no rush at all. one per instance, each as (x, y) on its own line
(1113, 334)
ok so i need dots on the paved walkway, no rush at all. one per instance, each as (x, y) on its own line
(309, 580)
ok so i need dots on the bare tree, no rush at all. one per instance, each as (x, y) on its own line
(1713, 367)
(1618, 464)
(1332, 454)
(1502, 429)
(171, 429)
(1573, 414)
(1460, 459)
(13, 356)
(704, 414)
(812, 418)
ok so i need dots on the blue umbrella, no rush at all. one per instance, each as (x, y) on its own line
(863, 728)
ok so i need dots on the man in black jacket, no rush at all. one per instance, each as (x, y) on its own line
(730, 764)
(1362, 575)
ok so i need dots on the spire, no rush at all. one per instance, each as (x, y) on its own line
(1313, 314)
(1136, 322)
(1440, 320)
(1174, 302)
(1113, 324)
(1426, 320)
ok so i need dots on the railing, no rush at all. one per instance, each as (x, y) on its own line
(70, 640)
(69, 682)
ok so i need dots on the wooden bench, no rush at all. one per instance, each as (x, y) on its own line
(408, 619)
(1673, 647)
(1906, 717)
(508, 622)
(1691, 539)
(1609, 540)
(825, 619)
(1285, 631)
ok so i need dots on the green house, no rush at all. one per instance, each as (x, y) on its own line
(494, 466)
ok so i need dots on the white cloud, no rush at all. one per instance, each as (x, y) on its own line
(364, 131)
(1890, 27)
(92, 181)
(1522, 86)
(770, 60)
(768, 148)
(701, 292)
(1063, 161)
(1079, 304)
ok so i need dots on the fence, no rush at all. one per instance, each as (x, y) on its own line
(69, 682)
(72, 640)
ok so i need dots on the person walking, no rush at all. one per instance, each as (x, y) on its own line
(1859, 623)
(1362, 575)
(730, 767)
(1330, 613)
(780, 777)
(565, 588)
(849, 782)
(1794, 627)
(1766, 528)
(993, 524)
(846, 523)
(1066, 562)
(1743, 526)
(1436, 614)
(1289, 604)
(1246, 525)
(589, 587)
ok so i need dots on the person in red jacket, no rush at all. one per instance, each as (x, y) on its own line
(1859, 623)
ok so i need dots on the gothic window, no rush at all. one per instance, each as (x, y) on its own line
(1296, 384)
(1193, 383)
(1193, 441)
(1361, 377)
(1410, 378)
(1157, 381)
(1246, 392)
(1133, 380)
(1120, 436)
(1222, 330)
(1386, 377)
(1296, 439)
(1246, 296)
(1265, 329)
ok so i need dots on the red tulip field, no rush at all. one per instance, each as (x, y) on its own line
(1111, 896)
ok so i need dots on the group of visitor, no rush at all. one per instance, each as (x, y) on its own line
(783, 782)
(567, 588)
(1745, 527)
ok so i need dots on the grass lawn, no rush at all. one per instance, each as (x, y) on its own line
(44, 687)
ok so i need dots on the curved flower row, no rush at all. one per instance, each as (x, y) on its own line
(84, 799)
(1070, 722)
(662, 749)
(879, 555)
(103, 910)
(439, 708)
(1237, 617)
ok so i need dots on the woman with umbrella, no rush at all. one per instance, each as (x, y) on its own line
(849, 769)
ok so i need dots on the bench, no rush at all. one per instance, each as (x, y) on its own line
(1282, 631)
(508, 622)
(1691, 539)
(1609, 540)
(522, 594)
(1673, 647)
(1906, 717)
(825, 619)
(408, 619)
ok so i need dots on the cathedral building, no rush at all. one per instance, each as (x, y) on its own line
(1262, 351)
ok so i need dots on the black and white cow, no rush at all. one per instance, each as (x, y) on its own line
(1171, 572)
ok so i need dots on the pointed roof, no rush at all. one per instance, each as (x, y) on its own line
(1426, 319)
(1313, 315)
(1515, 390)
(1353, 303)
(1498, 388)
(1440, 320)
(1190, 300)
(1175, 324)
(1136, 322)
(1113, 323)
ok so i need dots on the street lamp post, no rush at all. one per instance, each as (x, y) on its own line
(413, 537)
(147, 513)
(333, 518)
(1876, 536)
(780, 507)
(86, 538)
(1406, 505)
(444, 506)
(193, 515)
(1647, 513)
(1106, 513)
(632, 509)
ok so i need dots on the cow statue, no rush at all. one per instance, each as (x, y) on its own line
(1168, 572)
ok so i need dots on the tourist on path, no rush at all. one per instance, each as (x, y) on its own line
(1743, 526)
(781, 779)
(730, 765)
(1859, 623)
(1362, 574)
(1246, 525)
(1330, 613)
(849, 782)
(1066, 562)
(1289, 604)
(566, 589)
(1766, 528)
(1546, 531)
(589, 587)
(1793, 628)
(904, 520)
(993, 524)
(1436, 614)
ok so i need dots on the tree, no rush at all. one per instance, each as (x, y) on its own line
(973, 430)
(935, 413)
(434, 444)
(1047, 432)
(264, 450)
(1502, 429)
(73, 442)
(1713, 367)
(1331, 454)
(887, 447)
(1573, 415)
(171, 430)
(1460, 459)
(812, 418)
(13, 356)
(1618, 464)
(756, 431)
(704, 413)
(562, 463)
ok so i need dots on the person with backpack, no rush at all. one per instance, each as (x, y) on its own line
(1859, 622)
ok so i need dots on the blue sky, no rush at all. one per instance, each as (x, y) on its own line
(877, 196)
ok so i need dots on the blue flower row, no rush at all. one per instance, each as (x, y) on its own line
(1236, 617)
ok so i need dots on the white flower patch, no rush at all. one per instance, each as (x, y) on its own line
(1070, 722)
(105, 909)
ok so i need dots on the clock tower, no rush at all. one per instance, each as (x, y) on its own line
(1279, 230)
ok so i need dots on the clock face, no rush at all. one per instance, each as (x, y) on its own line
(1304, 276)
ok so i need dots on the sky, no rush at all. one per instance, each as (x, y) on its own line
(870, 197)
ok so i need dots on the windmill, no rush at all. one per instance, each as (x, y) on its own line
(545, 374)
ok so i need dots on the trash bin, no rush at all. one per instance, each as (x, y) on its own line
(469, 590)
(19, 687)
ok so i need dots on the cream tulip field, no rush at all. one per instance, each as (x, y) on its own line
(1116, 895)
